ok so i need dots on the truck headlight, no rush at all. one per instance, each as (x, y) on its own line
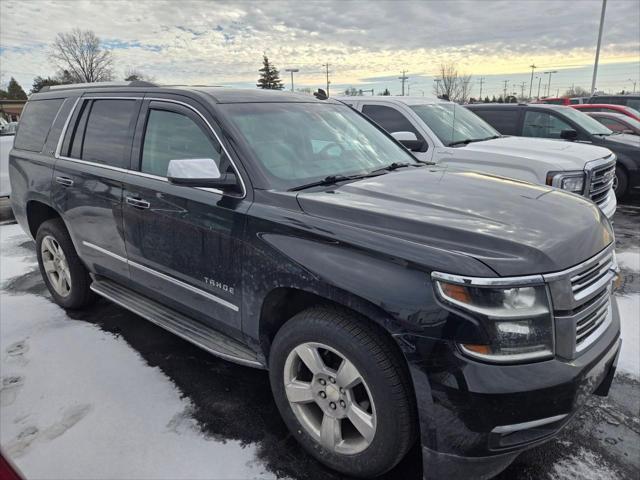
(572, 181)
(517, 319)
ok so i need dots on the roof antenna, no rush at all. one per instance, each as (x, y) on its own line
(321, 94)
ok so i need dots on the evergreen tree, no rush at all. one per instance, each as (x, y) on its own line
(493, 99)
(500, 100)
(486, 99)
(269, 76)
(15, 91)
(386, 92)
(40, 82)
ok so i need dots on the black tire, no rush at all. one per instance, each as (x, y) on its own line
(622, 182)
(381, 366)
(79, 294)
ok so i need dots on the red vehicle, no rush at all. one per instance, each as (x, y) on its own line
(617, 122)
(606, 107)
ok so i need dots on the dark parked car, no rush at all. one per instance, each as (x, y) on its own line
(632, 101)
(392, 301)
(560, 122)
(617, 122)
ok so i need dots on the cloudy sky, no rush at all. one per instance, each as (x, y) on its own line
(367, 44)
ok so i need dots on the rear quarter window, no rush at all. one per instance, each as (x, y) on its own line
(503, 120)
(35, 122)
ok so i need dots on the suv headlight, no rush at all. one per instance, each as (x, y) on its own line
(572, 181)
(517, 319)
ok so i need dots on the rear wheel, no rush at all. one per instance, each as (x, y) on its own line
(620, 182)
(63, 272)
(342, 388)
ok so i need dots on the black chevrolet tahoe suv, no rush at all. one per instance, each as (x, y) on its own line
(392, 301)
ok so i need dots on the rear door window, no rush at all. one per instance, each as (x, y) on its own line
(543, 125)
(503, 120)
(109, 131)
(35, 122)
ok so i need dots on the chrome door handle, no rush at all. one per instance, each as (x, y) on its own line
(138, 202)
(66, 181)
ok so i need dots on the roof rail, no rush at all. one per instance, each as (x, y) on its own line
(69, 86)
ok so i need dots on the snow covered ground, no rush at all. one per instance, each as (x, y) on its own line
(106, 395)
(78, 403)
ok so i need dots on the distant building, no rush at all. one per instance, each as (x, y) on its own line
(11, 109)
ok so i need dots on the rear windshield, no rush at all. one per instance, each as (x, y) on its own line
(35, 122)
(591, 125)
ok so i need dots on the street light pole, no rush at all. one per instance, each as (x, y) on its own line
(549, 84)
(533, 67)
(292, 70)
(595, 65)
(634, 84)
(539, 82)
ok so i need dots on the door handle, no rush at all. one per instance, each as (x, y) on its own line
(138, 202)
(66, 181)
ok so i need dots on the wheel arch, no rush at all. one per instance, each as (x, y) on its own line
(37, 213)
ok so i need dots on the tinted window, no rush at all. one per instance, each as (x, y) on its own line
(543, 125)
(389, 118)
(172, 136)
(108, 132)
(612, 124)
(453, 123)
(35, 123)
(503, 120)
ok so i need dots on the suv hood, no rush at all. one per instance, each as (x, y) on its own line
(558, 154)
(515, 228)
(621, 139)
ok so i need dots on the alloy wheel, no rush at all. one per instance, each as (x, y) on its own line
(55, 265)
(330, 398)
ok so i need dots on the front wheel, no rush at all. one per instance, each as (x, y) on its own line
(620, 182)
(341, 387)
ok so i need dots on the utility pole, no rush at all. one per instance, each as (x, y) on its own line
(404, 78)
(292, 70)
(481, 82)
(326, 65)
(634, 84)
(533, 68)
(595, 65)
(506, 82)
(539, 82)
(551, 72)
(522, 85)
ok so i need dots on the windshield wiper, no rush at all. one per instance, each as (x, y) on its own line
(391, 167)
(467, 141)
(333, 179)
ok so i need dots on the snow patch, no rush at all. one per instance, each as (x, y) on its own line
(584, 465)
(629, 306)
(629, 260)
(15, 260)
(80, 403)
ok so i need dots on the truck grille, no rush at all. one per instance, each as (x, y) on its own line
(601, 181)
(582, 302)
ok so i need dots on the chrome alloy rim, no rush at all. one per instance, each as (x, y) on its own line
(55, 266)
(330, 398)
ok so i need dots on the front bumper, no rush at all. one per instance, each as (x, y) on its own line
(475, 418)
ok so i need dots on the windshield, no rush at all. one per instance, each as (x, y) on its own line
(298, 143)
(453, 124)
(591, 125)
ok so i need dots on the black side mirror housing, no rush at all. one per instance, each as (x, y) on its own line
(570, 135)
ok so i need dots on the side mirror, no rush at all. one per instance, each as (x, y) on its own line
(198, 172)
(570, 135)
(410, 141)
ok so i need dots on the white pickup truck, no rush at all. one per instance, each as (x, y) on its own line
(6, 144)
(446, 133)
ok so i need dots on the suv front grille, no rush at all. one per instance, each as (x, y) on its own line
(582, 302)
(600, 181)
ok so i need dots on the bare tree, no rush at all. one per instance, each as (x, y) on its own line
(133, 74)
(453, 85)
(79, 53)
(576, 91)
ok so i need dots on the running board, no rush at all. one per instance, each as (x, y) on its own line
(190, 330)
